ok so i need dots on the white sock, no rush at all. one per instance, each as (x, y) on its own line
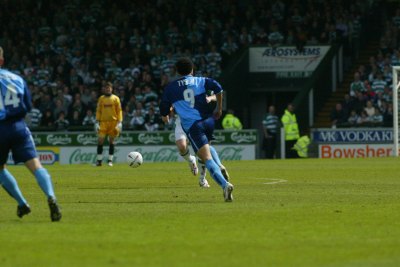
(187, 156)
(99, 157)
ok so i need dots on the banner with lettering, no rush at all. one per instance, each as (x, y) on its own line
(355, 151)
(46, 155)
(165, 153)
(138, 138)
(353, 135)
(286, 58)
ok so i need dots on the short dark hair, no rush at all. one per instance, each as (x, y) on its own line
(184, 66)
(107, 84)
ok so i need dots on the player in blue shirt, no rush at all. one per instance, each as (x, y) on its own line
(187, 95)
(15, 102)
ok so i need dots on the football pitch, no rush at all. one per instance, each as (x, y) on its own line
(311, 212)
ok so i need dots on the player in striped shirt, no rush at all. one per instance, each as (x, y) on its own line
(35, 116)
(270, 128)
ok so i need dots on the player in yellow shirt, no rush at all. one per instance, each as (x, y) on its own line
(108, 122)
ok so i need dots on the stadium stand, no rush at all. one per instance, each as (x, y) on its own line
(366, 93)
(67, 49)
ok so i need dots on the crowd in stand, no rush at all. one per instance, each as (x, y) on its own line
(66, 50)
(370, 98)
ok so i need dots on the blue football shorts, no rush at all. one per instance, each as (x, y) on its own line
(16, 137)
(201, 133)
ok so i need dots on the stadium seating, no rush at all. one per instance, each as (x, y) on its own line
(65, 50)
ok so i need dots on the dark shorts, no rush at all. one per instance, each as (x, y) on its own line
(201, 133)
(16, 137)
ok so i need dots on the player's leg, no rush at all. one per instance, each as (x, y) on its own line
(111, 149)
(202, 168)
(100, 142)
(10, 185)
(42, 176)
(113, 134)
(25, 151)
(215, 172)
(183, 149)
(45, 183)
(104, 130)
(203, 173)
(217, 160)
(11, 139)
(181, 144)
(205, 155)
(199, 137)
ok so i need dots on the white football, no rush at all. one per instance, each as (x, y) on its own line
(134, 159)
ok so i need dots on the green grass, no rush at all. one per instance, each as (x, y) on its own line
(319, 213)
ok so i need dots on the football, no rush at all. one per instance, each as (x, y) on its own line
(134, 159)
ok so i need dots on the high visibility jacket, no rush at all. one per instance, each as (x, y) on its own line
(230, 122)
(301, 146)
(290, 125)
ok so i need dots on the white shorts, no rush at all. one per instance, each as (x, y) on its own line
(179, 133)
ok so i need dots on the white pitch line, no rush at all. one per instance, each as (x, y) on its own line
(274, 180)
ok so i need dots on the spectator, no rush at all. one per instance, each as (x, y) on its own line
(126, 117)
(67, 96)
(387, 94)
(270, 129)
(347, 104)
(48, 119)
(245, 38)
(369, 93)
(378, 84)
(229, 47)
(61, 124)
(35, 116)
(387, 74)
(85, 97)
(93, 102)
(363, 120)
(137, 121)
(75, 119)
(359, 103)
(370, 109)
(377, 118)
(338, 116)
(152, 120)
(45, 102)
(59, 107)
(291, 129)
(231, 122)
(139, 95)
(150, 97)
(77, 105)
(357, 85)
(353, 118)
(89, 119)
(275, 38)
